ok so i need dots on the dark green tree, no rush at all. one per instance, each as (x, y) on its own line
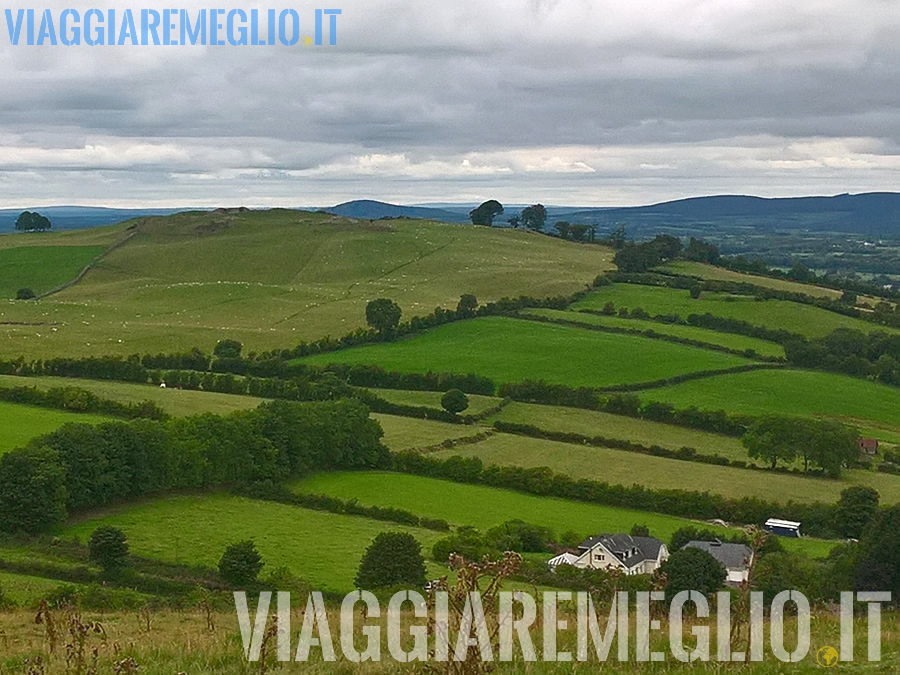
(228, 349)
(25, 294)
(618, 237)
(856, 509)
(383, 315)
(580, 232)
(534, 217)
(485, 213)
(514, 221)
(878, 562)
(640, 530)
(692, 569)
(563, 227)
(696, 290)
(240, 564)
(454, 401)
(466, 541)
(30, 221)
(467, 305)
(773, 439)
(108, 547)
(32, 490)
(392, 559)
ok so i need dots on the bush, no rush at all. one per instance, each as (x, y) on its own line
(228, 349)
(108, 547)
(25, 294)
(240, 564)
(392, 559)
(692, 569)
(454, 401)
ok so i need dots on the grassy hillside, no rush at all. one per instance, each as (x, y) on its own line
(703, 271)
(272, 279)
(872, 406)
(404, 433)
(483, 507)
(323, 548)
(796, 318)
(42, 268)
(432, 399)
(710, 337)
(21, 423)
(619, 467)
(512, 350)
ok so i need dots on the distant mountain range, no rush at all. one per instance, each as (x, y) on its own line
(870, 214)
(79, 217)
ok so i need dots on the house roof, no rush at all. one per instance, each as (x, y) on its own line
(868, 443)
(623, 547)
(731, 556)
(778, 522)
(563, 559)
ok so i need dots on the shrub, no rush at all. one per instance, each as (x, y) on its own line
(454, 401)
(392, 559)
(25, 294)
(692, 569)
(240, 564)
(108, 547)
(228, 349)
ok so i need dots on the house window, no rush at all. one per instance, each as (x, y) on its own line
(599, 556)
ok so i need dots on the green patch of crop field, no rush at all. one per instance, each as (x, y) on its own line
(323, 548)
(621, 467)
(20, 423)
(592, 423)
(406, 433)
(711, 337)
(176, 402)
(484, 507)
(42, 268)
(27, 591)
(870, 405)
(513, 350)
(704, 271)
(775, 314)
(432, 399)
(273, 278)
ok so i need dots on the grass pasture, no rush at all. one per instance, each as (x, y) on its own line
(406, 433)
(872, 406)
(704, 271)
(323, 548)
(711, 337)
(484, 507)
(20, 423)
(620, 467)
(513, 350)
(805, 320)
(432, 399)
(42, 268)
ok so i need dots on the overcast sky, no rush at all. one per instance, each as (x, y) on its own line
(582, 102)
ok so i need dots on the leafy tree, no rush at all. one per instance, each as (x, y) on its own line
(29, 221)
(108, 547)
(517, 535)
(534, 217)
(849, 297)
(562, 228)
(466, 541)
(485, 213)
(618, 237)
(454, 401)
(25, 294)
(240, 564)
(515, 221)
(609, 309)
(383, 315)
(773, 439)
(228, 349)
(699, 251)
(467, 305)
(33, 494)
(878, 563)
(696, 290)
(784, 571)
(580, 231)
(856, 509)
(691, 569)
(640, 530)
(392, 559)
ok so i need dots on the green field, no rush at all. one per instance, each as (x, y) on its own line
(483, 507)
(323, 548)
(775, 314)
(42, 268)
(432, 399)
(711, 337)
(513, 350)
(874, 407)
(21, 423)
(591, 423)
(176, 402)
(621, 467)
(704, 271)
(406, 433)
(273, 278)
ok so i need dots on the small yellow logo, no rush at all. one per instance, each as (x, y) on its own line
(307, 41)
(827, 657)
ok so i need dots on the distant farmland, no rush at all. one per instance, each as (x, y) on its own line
(21, 423)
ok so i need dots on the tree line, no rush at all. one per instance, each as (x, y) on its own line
(83, 466)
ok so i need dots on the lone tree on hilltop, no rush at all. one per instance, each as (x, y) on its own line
(240, 564)
(108, 547)
(534, 217)
(392, 559)
(485, 213)
(383, 315)
(31, 221)
(455, 401)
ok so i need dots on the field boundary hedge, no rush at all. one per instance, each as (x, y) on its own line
(77, 400)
